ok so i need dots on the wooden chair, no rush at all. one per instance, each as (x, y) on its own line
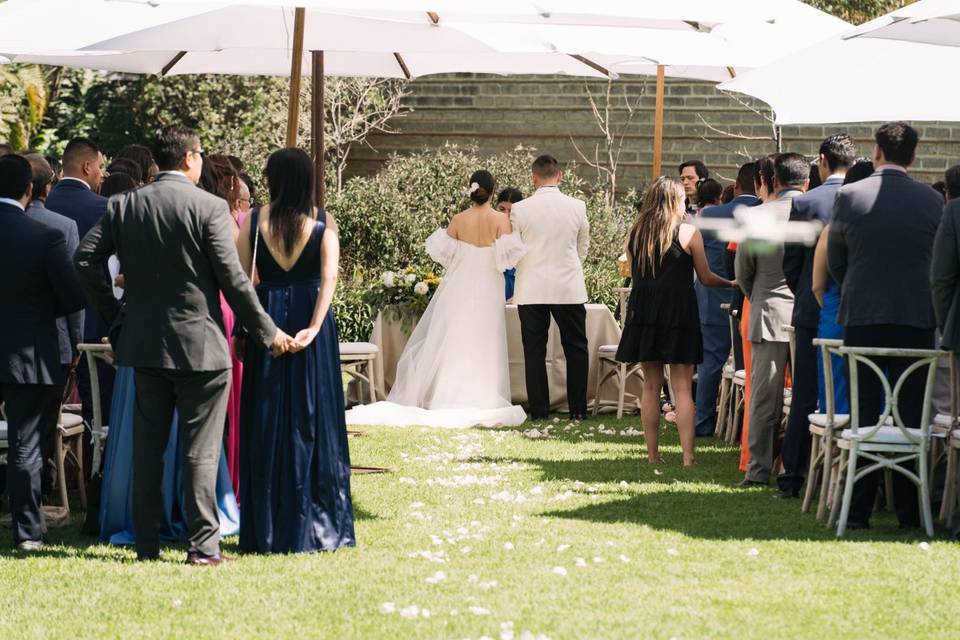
(949, 425)
(356, 360)
(890, 442)
(68, 447)
(724, 410)
(823, 427)
(738, 395)
(93, 352)
(609, 368)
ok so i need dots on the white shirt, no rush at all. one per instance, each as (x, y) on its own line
(81, 181)
(15, 203)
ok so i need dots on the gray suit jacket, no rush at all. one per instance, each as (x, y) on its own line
(760, 276)
(178, 253)
(945, 276)
(880, 249)
(69, 328)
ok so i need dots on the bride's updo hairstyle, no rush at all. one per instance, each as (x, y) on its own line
(481, 186)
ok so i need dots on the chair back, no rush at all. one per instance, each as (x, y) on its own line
(793, 346)
(624, 297)
(828, 347)
(869, 357)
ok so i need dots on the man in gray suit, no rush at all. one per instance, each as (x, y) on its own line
(178, 253)
(760, 276)
(69, 328)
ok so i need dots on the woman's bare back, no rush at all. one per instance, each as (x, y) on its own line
(479, 226)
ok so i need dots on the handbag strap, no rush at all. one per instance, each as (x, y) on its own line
(256, 242)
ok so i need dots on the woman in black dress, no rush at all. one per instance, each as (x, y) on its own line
(663, 325)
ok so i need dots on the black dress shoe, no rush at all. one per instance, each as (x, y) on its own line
(198, 559)
(578, 416)
(856, 525)
(539, 416)
(786, 494)
(148, 557)
(751, 483)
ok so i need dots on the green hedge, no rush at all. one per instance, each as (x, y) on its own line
(384, 220)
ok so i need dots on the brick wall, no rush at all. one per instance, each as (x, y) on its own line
(549, 113)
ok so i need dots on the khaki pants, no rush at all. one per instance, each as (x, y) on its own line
(769, 365)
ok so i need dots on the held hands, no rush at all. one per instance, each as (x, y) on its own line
(303, 338)
(282, 343)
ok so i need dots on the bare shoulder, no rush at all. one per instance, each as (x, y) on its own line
(687, 235)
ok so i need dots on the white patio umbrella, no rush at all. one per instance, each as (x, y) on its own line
(892, 68)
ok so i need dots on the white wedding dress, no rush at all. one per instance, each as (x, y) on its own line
(453, 372)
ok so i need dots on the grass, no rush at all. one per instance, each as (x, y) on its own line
(668, 553)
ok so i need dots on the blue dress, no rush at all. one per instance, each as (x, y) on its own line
(116, 500)
(830, 329)
(294, 460)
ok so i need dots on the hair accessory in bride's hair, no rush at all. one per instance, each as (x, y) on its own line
(469, 192)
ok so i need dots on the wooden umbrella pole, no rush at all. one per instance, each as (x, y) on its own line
(316, 125)
(296, 62)
(658, 124)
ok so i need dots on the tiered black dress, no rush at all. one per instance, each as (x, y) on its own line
(294, 459)
(663, 323)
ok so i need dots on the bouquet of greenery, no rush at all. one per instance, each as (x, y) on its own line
(403, 295)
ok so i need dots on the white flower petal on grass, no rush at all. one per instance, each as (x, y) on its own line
(416, 514)
(753, 551)
(437, 577)
(388, 607)
(410, 612)
(562, 548)
(508, 546)
(425, 613)
(598, 559)
(489, 584)
(672, 552)
(657, 472)
(925, 546)
(624, 558)
(465, 549)
(556, 420)
(580, 562)
(178, 602)
(560, 571)
(404, 480)
(537, 490)
(624, 483)
(479, 501)
(479, 611)
(416, 505)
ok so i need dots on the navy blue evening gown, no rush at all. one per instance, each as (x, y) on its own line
(294, 460)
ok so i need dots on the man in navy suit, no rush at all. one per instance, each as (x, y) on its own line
(837, 154)
(880, 251)
(714, 322)
(75, 196)
(39, 285)
(69, 328)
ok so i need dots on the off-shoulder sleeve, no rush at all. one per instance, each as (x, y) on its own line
(508, 250)
(441, 247)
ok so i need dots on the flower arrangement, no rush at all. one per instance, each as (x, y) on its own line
(403, 295)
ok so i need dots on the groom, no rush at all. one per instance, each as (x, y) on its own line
(550, 283)
(178, 253)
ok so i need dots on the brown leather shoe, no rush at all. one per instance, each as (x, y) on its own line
(198, 559)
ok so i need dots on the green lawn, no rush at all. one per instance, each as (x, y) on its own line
(494, 533)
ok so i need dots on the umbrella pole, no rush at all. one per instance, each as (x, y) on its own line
(296, 62)
(658, 124)
(316, 125)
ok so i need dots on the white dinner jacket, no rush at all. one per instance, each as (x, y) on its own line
(555, 230)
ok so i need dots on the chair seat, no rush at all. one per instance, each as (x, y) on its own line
(70, 423)
(820, 420)
(885, 435)
(740, 376)
(943, 420)
(358, 349)
(3, 432)
(608, 349)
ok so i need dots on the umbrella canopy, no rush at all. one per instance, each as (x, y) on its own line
(895, 72)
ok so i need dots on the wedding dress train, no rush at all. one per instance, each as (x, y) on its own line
(454, 372)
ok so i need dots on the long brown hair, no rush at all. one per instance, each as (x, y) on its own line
(659, 215)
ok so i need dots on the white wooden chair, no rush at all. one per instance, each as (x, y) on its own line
(738, 391)
(93, 352)
(823, 425)
(724, 410)
(356, 360)
(609, 368)
(886, 445)
(949, 425)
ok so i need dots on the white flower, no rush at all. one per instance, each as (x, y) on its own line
(672, 552)
(508, 546)
(437, 577)
(479, 611)
(410, 278)
(753, 552)
(410, 612)
(421, 289)
(560, 571)
(925, 546)
(580, 562)
(389, 279)
(624, 558)
(388, 607)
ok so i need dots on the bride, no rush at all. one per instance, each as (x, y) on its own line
(453, 371)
